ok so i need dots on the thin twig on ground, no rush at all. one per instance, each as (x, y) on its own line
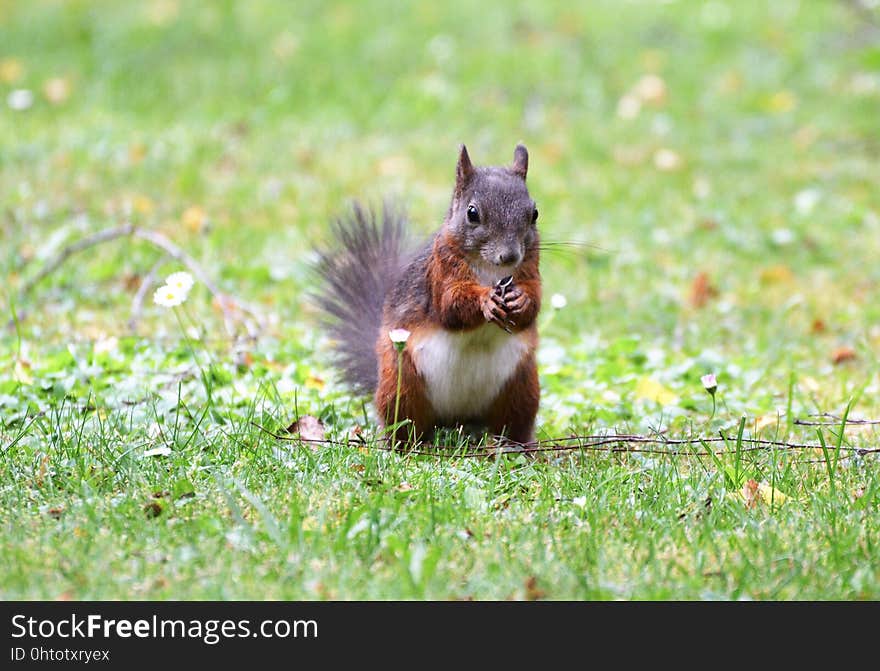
(233, 310)
(137, 303)
(593, 443)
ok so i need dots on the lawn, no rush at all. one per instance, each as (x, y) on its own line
(707, 176)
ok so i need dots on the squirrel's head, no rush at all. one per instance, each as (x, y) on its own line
(492, 216)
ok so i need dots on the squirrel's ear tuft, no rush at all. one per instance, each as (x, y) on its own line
(521, 160)
(464, 170)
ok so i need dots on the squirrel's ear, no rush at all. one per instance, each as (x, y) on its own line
(464, 170)
(521, 160)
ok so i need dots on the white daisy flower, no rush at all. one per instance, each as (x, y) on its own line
(169, 296)
(180, 280)
(399, 338)
(20, 99)
(709, 382)
(558, 301)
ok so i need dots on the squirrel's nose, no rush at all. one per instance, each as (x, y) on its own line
(508, 257)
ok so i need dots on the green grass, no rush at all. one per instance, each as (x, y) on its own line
(271, 117)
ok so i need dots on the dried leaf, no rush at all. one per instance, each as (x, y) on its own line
(314, 382)
(153, 509)
(755, 493)
(842, 354)
(533, 592)
(308, 428)
(777, 274)
(701, 290)
(750, 494)
(764, 421)
(782, 101)
(194, 218)
(137, 152)
(11, 70)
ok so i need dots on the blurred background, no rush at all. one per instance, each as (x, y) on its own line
(714, 162)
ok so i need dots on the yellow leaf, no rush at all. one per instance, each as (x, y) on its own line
(766, 420)
(194, 218)
(648, 388)
(11, 70)
(314, 382)
(754, 493)
(142, 204)
(770, 494)
(137, 152)
(776, 274)
(782, 101)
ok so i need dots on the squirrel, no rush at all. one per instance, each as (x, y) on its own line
(469, 299)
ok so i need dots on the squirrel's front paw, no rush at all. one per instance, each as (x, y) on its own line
(494, 309)
(516, 301)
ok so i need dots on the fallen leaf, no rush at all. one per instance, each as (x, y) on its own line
(194, 218)
(648, 388)
(755, 493)
(44, 467)
(766, 420)
(141, 204)
(533, 592)
(842, 354)
(776, 274)
(770, 495)
(153, 509)
(314, 382)
(162, 451)
(782, 101)
(137, 152)
(750, 494)
(702, 290)
(308, 428)
(11, 70)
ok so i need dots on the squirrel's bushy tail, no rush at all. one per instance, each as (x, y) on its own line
(357, 273)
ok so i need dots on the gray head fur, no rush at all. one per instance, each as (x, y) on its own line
(492, 214)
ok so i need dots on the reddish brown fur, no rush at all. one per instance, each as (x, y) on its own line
(457, 302)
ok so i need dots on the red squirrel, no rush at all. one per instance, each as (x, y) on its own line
(469, 299)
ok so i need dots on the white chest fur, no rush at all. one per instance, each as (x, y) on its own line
(464, 372)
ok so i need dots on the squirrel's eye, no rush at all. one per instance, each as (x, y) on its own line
(535, 215)
(472, 215)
